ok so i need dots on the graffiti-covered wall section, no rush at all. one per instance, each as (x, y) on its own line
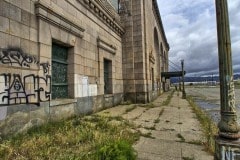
(21, 83)
(25, 83)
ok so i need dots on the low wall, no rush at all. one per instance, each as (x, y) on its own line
(19, 118)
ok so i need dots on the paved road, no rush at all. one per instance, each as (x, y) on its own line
(210, 96)
(168, 132)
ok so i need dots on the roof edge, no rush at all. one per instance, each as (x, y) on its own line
(155, 5)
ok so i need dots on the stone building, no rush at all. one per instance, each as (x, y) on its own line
(59, 58)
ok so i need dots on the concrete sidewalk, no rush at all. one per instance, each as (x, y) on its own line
(169, 132)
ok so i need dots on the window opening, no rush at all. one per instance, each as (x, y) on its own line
(107, 76)
(59, 71)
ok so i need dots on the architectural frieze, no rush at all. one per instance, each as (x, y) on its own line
(104, 14)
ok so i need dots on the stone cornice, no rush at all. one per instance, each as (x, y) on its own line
(44, 12)
(158, 17)
(104, 14)
(106, 46)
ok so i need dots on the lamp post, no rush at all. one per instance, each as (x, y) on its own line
(183, 90)
(228, 125)
(227, 144)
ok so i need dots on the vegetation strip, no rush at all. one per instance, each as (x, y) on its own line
(209, 128)
(87, 138)
(168, 100)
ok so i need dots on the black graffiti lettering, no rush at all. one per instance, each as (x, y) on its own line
(17, 56)
(16, 89)
(45, 67)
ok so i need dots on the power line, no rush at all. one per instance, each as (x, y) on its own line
(175, 69)
(174, 64)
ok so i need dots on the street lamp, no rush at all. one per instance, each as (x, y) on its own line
(228, 125)
(183, 91)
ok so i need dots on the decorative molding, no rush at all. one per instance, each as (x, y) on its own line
(48, 14)
(97, 8)
(151, 57)
(106, 46)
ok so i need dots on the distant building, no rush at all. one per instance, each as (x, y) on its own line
(59, 58)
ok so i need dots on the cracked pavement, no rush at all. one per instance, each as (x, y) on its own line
(168, 132)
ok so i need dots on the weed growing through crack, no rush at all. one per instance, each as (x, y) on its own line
(130, 108)
(147, 106)
(147, 135)
(168, 100)
(150, 128)
(157, 120)
(182, 139)
(195, 142)
(188, 158)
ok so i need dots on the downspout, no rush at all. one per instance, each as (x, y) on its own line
(145, 43)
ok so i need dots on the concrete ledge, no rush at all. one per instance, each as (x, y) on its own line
(19, 118)
(58, 102)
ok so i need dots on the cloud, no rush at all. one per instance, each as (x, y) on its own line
(190, 28)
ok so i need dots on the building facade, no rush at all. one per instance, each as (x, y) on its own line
(60, 58)
(145, 50)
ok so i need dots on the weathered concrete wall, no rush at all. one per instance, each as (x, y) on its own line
(19, 118)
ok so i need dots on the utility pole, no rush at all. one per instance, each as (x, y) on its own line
(212, 79)
(183, 91)
(227, 144)
(179, 84)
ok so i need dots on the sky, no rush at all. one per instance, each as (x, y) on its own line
(190, 28)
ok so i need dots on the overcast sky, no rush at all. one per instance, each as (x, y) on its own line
(190, 28)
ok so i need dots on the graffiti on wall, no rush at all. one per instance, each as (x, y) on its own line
(229, 153)
(17, 56)
(17, 88)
